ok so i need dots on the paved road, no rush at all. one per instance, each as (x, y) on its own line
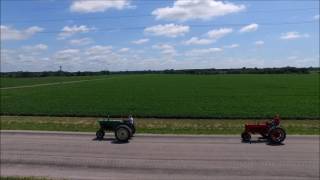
(78, 156)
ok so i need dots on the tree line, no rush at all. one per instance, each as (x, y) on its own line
(244, 70)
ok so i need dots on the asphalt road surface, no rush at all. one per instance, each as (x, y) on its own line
(79, 156)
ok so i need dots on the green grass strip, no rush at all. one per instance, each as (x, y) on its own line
(153, 126)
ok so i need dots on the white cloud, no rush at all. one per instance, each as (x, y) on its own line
(68, 31)
(9, 33)
(259, 43)
(293, 35)
(231, 46)
(89, 59)
(199, 52)
(169, 30)
(140, 41)
(67, 54)
(98, 50)
(22, 60)
(80, 42)
(90, 6)
(80, 60)
(292, 57)
(249, 28)
(124, 50)
(165, 49)
(219, 33)
(197, 9)
(38, 47)
(212, 35)
(316, 17)
(197, 41)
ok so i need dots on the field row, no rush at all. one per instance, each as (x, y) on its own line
(172, 96)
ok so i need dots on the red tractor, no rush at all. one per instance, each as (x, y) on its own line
(269, 130)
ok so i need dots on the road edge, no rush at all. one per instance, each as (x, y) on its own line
(136, 135)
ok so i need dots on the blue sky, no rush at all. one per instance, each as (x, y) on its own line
(94, 35)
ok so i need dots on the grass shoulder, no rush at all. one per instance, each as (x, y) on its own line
(153, 126)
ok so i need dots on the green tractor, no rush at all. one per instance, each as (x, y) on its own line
(123, 129)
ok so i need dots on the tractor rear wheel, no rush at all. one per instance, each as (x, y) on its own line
(277, 135)
(245, 137)
(123, 133)
(100, 134)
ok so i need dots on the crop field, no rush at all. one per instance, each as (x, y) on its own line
(167, 96)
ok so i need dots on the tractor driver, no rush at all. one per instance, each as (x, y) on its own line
(130, 119)
(274, 122)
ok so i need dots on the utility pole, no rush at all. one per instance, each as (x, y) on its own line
(60, 70)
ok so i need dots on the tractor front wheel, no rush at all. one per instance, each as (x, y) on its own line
(100, 134)
(246, 137)
(277, 135)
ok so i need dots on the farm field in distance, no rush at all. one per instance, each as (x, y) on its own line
(294, 96)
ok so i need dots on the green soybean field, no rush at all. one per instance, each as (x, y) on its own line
(293, 96)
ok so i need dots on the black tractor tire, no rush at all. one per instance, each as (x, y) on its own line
(123, 133)
(246, 137)
(277, 135)
(100, 134)
(133, 129)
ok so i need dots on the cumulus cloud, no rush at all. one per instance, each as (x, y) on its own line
(199, 52)
(259, 43)
(249, 28)
(168, 30)
(124, 50)
(212, 36)
(219, 33)
(98, 50)
(68, 31)
(38, 47)
(140, 41)
(67, 54)
(23, 60)
(293, 35)
(81, 60)
(92, 58)
(9, 33)
(89, 6)
(197, 9)
(80, 42)
(231, 46)
(198, 41)
(165, 49)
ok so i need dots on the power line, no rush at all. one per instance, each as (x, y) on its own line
(193, 26)
(182, 0)
(140, 15)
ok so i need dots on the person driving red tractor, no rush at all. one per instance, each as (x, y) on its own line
(270, 130)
